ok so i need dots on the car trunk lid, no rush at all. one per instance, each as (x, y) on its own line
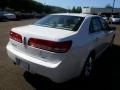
(42, 33)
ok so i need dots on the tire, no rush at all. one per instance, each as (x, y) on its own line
(88, 67)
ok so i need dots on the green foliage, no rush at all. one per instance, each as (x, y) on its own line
(108, 6)
(76, 10)
(29, 6)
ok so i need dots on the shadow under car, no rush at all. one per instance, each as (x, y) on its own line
(105, 74)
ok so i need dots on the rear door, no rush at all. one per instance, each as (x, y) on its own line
(97, 33)
(109, 34)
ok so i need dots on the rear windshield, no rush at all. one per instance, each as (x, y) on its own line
(65, 22)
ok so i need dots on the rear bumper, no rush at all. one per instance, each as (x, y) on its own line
(57, 72)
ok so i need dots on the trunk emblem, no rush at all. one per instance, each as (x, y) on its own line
(25, 42)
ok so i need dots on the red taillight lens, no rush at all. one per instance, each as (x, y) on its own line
(59, 47)
(15, 36)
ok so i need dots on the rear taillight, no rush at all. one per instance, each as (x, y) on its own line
(15, 36)
(58, 47)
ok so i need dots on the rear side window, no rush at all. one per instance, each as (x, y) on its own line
(104, 24)
(95, 25)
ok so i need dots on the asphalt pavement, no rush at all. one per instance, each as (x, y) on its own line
(105, 75)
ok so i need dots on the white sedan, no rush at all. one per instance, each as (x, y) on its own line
(60, 46)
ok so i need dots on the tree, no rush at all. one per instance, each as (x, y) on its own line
(29, 6)
(73, 10)
(76, 10)
(108, 6)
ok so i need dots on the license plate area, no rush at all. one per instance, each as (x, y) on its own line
(22, 64)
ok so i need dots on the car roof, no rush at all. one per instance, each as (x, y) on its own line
(76, 14)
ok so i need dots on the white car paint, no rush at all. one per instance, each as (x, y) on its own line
(58, 67)
(115, 18)
(43, 31)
